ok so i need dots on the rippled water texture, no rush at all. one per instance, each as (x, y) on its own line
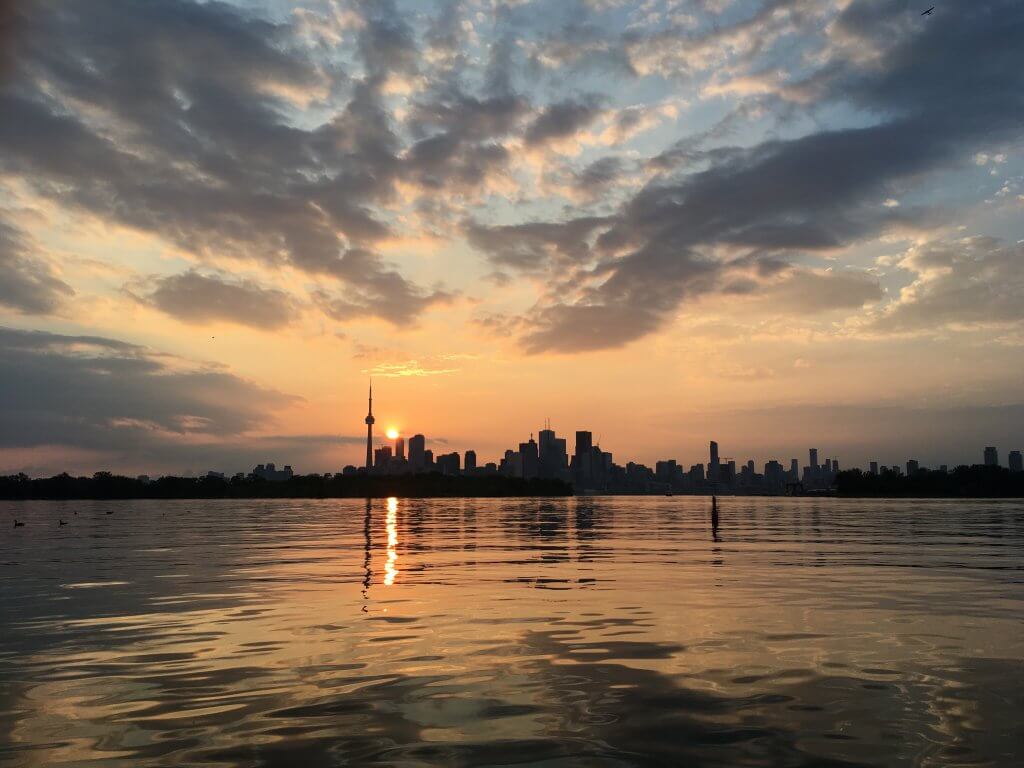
(589, 631)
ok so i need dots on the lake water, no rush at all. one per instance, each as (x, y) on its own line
(582, 632)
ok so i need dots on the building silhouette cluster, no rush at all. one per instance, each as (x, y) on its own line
(590, 469)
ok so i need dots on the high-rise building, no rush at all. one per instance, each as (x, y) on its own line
(1016, 463)
(713, 464)
(813, 463)
(554, 461)
(448, 463)
(828, 466)
(835, 465)
(794, 470)
(531, 458)
(991, 457)
(582, 459)
(912, 467)
(417, 446)
(400, 448)
(428, 460)
(874, 468)
(381, 458)
(470, 461)
(369, 431)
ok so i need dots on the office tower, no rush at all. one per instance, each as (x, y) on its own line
(448, 463)
(813, 463)
(828, 466)
(470, 463)
(991, 457)
(369, 431)
(400, 448)
(428, 460)
(794, 470)
(713, 464)
(381, 458)
(750, 466)
(1016, 464)
(582, 459)
(835, 465)
(874, 467)
(417, 446)
(553, 457)
(531, 458)
(912, 467)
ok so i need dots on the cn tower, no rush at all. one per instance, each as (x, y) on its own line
(369, 432)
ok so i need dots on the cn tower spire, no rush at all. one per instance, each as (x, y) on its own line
(369, 431)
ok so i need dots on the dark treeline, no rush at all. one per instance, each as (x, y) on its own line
(104, 485)
(963, 482)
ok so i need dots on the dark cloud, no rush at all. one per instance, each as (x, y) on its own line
(176, 118)
(562, 119)
(819, 191)
(196, 298)
(102, 394)
(377, 292)
(600, 173)
(535, 245)
(27, 284)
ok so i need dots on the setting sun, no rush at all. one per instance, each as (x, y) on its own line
(392, 433)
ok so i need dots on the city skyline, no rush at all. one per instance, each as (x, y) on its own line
(663, 221)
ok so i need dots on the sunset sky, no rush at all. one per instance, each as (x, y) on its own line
(777, 224)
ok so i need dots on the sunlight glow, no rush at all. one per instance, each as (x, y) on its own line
(392, 433)
(391, 525)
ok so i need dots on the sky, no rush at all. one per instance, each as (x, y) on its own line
(778, 224)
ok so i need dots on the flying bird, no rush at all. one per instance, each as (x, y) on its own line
(929, 11)
(61, 523)
(18, 524)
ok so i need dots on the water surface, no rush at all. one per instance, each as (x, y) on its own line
(581, 632)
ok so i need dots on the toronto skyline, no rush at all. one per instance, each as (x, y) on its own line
(754, 221)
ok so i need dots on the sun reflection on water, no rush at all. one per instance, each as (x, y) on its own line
(391, 523)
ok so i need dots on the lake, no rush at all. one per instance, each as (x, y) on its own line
(586, 631)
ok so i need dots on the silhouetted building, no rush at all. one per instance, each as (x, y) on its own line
(417, 449)
(874, 467)
(913, 467)
(470, 462)
(582, 460)
(713, 463)
(382, 458)
(1016, 464)
(991, 457)
(400, 448)
(530, 457)
(428, 461)
(813, 463)
(369, 431)
(554, 460)
(270, 472)
(448, 463)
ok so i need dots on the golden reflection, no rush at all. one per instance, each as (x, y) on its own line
(391, 522)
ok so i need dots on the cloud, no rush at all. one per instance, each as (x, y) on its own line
(178, 118)
(121, 399)
(563, 119)
(814, 193)
(200, 299)
(28, 284)
(974, 281)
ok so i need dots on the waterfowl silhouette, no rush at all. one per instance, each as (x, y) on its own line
(61, 522)
(18, 524)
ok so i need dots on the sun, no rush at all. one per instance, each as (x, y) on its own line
(392, 433)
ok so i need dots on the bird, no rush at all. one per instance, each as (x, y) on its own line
(929, 11)
(110, 511)
(62, 522)
(18, 524)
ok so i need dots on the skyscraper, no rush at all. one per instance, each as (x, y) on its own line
(582, 459)
(713, 464)
(1016, 462)
(400, 448)
(369, 432)
(912, 467)
(470, 462)
(531, 458)
(417, 446)
(813, 463)
(991, 457)
(874, 467)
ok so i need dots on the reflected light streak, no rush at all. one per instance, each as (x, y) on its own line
(391, 523)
